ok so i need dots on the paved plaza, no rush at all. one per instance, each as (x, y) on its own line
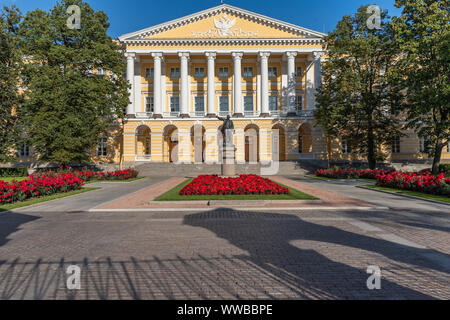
(220, 253)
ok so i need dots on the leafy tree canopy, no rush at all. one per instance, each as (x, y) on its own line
(67, 107)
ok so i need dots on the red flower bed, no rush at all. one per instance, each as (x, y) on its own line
(244, 184)
(88, 175)
(421, 182)
(37, 186)
(350, 173)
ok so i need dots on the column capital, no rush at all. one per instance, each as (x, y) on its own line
(157, 55)
(184, 55)
(315, 55)
(130, 55)
(291, 54)
(264, 55)
(237, 55)
(211, 55)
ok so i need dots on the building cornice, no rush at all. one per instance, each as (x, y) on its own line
(224, 42)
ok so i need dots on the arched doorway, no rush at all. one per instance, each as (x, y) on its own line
(304, 139)
(198, 143)
(171, 143)
(143, 143)
(252, 143)
(278, 143)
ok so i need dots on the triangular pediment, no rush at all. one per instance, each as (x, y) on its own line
(223, 22)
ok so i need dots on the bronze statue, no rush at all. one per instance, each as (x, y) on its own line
(227, 127)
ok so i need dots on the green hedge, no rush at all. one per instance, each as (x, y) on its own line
(13, 172)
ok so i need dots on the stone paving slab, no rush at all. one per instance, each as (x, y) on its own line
(143, 199)
(213, 255)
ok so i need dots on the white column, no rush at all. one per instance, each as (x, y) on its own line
(137, 86)
(258, 89)
(313, 79)
(264, 57)
(237, 84)
(211, 56)
(184, 98)
(157, 99)
(291, 82)
(130, 77)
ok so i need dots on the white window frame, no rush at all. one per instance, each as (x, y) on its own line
(147, 109)
(202, 98)
(221, 72)
(24, 150)
(101, 72)
(396, 148)
(175, 73)
(271, 73)
(219, 104)
(170, 103)
(301, 98)
(149, 72)
(246, 71)
(277, 102)
(249, 112)
(297, 74)
(102, 147)
(346, 147)
(197, 73)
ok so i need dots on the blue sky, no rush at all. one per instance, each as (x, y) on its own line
(132, 15)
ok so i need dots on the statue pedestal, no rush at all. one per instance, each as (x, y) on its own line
(228, 164)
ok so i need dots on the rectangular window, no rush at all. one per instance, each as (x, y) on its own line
(223, 72)
(396, 144)
(199, 72)
(273, 72)
(149, 104)
(273, 103)
(174, 104)
(248, 72)
(248, 104)
(149, 73)
(101, 72)
(101, 147)
(423, 144)
(299, 72)
(299, 103)
(224, 104)
(175, 73)
(200, 105)
(346, 146)
(24, 150)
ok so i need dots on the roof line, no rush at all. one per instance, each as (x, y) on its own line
(227, 6)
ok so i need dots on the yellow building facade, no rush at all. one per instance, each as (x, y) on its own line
(226, 61)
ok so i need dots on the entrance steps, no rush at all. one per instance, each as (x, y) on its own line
(286, 168)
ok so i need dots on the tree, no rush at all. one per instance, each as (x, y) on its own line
(355, 101)
(10, 98)
(67, 106)
(423, 34)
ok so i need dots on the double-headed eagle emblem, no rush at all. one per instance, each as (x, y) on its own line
(224, 24)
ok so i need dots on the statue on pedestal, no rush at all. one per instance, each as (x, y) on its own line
(228, 161)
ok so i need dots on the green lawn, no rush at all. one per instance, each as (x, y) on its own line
(129, 180)
(411, 193)
(9, 179)
(32, 201)
(174, 195)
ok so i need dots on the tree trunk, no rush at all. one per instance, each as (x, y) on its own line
(329, 151)
(371, 155)
(121, 149)
(437, 157)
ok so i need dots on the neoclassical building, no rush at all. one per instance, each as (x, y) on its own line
(227, 61)
(222, 61)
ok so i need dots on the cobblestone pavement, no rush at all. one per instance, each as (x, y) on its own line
(224, 254)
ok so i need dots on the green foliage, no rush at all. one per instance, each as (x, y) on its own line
(13, 172)
(66, 106)
(10, 99)
(423, 34)
(355, 101)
